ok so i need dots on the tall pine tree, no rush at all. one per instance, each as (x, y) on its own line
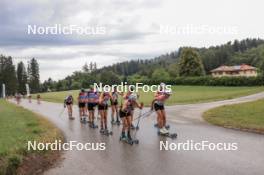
(21, 77)
(33, 75)
(8, 75)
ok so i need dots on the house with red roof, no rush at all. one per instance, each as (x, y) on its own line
(238, 70)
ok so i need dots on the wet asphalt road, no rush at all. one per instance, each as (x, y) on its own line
(146, 158)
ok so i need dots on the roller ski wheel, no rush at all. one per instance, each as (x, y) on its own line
(167, 126)
(71, 118)
(83, 121)
(132, 127)
(93, 126)
(131, 141)
(136, 141)
(170, 135)
(107, 133)
(101, 131)
(118, 122)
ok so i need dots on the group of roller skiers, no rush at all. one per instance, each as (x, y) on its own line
(89, 99)
(19, 96)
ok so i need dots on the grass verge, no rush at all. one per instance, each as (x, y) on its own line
(245, 116)
(181, 94)
(17, 127)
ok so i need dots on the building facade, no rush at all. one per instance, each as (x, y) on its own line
(239, 70)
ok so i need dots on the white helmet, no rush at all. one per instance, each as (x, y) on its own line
(167, 92)
(163, 85)
(132, 96)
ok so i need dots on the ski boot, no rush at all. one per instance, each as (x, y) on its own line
(107, 132)
(132, 127)
(102, 130)
(92, 125)
(118, 122)
(123, 137)
(156, 126)
(113, 122)
(165, 133)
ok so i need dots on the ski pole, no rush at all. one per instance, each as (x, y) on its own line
(62, 112)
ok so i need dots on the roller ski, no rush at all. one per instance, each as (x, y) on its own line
(118, 122)
(128, 140)
(83, 121)
(92, 125)
(71, 117)
(106, 132)
(113, 122)
(156, 126)
(132, 127)
(161, 132)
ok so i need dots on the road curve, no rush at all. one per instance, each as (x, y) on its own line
(146, 158)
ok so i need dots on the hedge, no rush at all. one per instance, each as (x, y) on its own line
(210, 81)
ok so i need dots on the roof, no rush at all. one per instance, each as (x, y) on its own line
(235, 68)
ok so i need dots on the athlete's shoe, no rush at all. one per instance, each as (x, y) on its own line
(165, 130)
(132, 126)
(118, 122)
(123, 136)
(102, 130)
(113, 121)
(106, 131)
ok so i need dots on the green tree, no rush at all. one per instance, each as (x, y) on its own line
(109, 78)
(190, 63)
(173, 70)
(160, 75)
(8, 74)
(21, 77)
(33, 75)
(85, 68)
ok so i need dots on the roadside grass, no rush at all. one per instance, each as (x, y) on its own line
(181, 94)
(17, 127)
(245, 116)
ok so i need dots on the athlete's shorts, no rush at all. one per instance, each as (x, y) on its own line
(114, 103)
(102, 107)
(81, 105)
(158, 107)
(68, 103)
(91, 106)
(123, 114)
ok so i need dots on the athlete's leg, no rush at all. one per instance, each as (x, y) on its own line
(117, 115)
(105, 118)
(112, 113)
(159, 118)
(68, 109)
(125, 125)
(163, 117)
(129, 118)
(101, 112)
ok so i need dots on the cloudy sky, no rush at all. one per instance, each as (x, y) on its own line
(132, 29)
